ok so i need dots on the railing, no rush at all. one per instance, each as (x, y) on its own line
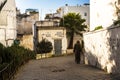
(8, 72)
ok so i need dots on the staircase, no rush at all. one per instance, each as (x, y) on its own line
(2, 3)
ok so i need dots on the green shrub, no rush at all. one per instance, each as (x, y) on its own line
(14, 55)
(44, 46)
(2, 66)
(20, 54)
(98, 27)
(1, 53)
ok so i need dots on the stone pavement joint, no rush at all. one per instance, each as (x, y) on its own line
(60, 68)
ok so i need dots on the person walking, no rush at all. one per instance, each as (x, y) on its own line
(77, 50)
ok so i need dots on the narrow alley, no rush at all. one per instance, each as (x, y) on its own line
(59, 68)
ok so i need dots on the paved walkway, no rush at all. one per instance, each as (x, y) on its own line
(59, 68)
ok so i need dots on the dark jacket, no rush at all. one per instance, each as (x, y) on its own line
(77, 48)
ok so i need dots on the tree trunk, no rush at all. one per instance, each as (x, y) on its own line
(70, 46)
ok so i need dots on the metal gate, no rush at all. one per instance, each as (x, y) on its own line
(58, 46)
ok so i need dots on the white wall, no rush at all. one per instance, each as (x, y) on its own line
(102, 49)
(102, 13)
(8, 28)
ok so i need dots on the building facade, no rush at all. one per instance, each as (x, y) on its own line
(56, 35)
(26, 21)
(7, 22)
(83, 10)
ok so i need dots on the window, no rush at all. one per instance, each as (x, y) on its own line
(85, 14)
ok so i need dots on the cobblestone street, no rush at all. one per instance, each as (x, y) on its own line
(59, 68)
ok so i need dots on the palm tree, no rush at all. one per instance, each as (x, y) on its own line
(74, 25)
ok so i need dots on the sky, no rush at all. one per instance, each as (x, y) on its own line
(46, 6)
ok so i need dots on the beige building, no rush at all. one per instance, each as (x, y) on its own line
(53, 17)
(26, 21)
(56, 35)
(7, 22)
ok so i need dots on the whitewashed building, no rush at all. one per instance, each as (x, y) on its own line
(7, 22)
(83, 10)
(102, 47)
